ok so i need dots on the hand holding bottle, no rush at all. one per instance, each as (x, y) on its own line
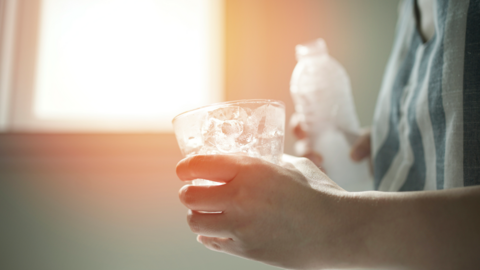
(361, 148)
(325, 118)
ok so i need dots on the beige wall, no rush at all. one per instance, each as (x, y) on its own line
(261, 36)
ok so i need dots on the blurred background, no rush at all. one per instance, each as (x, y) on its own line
(88, 89)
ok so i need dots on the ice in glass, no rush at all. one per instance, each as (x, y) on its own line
(247, 127)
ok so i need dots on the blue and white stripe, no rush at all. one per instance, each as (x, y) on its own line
(426, 132)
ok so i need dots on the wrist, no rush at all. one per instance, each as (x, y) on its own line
(357, 215)
(354, 228)
(343, 227)
(376, 222)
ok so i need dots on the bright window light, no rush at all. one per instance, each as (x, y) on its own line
(133, 64)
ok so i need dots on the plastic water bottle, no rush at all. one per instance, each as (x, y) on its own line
(321, 91)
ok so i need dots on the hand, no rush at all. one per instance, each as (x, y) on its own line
(360, 149)
(301, 134)
(289, 216)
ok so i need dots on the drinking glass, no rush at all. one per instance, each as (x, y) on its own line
(253, 128)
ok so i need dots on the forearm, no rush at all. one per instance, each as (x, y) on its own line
(425, 230)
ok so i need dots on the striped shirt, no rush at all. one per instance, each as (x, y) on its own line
(426, 132)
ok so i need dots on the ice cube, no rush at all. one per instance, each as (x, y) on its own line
(273, 121)
(208, 150)
(228, 113)
(249, 111)
(220, 135)
(225, 139)
(210, 128)
(257, 115)
(274, 116)
(193, 145)
(225, 144)
(236, 130)
(247, 139)
(232, 128)
(230, 131)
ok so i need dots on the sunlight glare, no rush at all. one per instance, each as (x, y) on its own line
(124, 59)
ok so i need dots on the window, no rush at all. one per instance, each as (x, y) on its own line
(116, 65)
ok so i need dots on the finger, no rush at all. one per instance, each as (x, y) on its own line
(213, 225)
(299, 132)
(302, 147)
(361, 148)
(205, 198)
(226, 245)
(296, 126)
(219, 168)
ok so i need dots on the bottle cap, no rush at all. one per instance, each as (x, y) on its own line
(317, 47)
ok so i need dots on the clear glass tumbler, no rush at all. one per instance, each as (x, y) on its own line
(254, 127)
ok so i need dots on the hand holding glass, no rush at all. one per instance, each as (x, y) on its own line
(246, 127)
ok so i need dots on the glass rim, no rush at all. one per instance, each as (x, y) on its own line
(218, 104)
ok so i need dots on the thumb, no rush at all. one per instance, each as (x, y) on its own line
(361, 148)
